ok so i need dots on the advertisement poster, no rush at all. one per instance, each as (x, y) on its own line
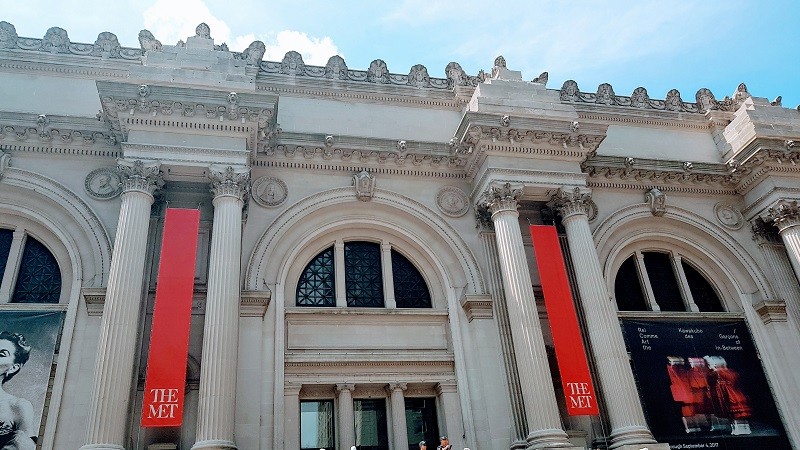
(27, 345)
(702, 385)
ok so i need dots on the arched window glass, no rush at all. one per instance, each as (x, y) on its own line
(39, 278)
(628, 289)
(410, 289)
(704, 295)
(662, 278)
(316, 284)
(363, 275)
(5, 246)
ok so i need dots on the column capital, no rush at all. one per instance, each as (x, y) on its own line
(571, 201)
(444, 387)
(229, 182)
(499, 198)
(396, 387)
(345, 387)
(292, 389)
(785, 214)
(764, 232)
(140, 176)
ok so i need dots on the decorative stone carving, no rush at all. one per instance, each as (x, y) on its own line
(477, 306)
(254, 53)
(103, 184)
(138, 176)
(505, 121)
(8, 35)
(148, 42)
(778, 101)
(785, 214)
(401, 146)
(452, 201)
(705, 100)
(574, 126)
(764, 231)
(771, 311)
(329, 141)
(570, 91)
(455, 75)
(5, 161)
(732, 103)
(56, 41)
(541, 79)
(336, 68)
(293, 64)
(364, 183)
(106, 45)
(673, 101)
(728, 216)
(269, 192)
(688, 166)
(500, 198)
(789, 144)
(378, 72)
(605, 94)
(230, 182)
(144, 90)
(568, 202)
(418, 76)
(657, 201)
(639, 98)
(203, 31)
(500, 61)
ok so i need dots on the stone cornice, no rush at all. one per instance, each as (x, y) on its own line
(426, 169)
(639, 172)
(611, 114)
(56, 134)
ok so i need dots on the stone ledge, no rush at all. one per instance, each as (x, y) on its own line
(95, 299)
(771, 311)
(254, 303)
(477, 306)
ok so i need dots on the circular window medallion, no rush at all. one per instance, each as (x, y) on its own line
(269, 191)
(103, 183)
(452, 201)
(728, 216)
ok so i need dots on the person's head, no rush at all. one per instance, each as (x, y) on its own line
(423, 445)
(14, 353)
(444, 441)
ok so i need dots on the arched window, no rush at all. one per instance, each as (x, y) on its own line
(363, 282)
(36, 275)
(662, 281)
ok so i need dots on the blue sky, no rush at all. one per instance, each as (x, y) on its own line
(656, 44)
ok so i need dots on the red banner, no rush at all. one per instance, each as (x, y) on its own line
(570, 353)
(169, 339)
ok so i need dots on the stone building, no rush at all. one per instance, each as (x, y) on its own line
(364, 273)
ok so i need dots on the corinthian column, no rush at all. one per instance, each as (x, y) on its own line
(347, 434)
(786, 216)
(221, 331)
(398, 414)
(541, 409)
(109, 405)
(628, 426)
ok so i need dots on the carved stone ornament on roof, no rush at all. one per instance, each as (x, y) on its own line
(222, 47)
(139, 176)
(541, 79)
(56, 41)
(203, 31)
(639, 98)
(673, 101)
(732, 103)
(378, 72)
(230, 182)
(254, 52)
(148, 42)
(364, 183)
(336, 68)
(418, 76)
(785, 214)
(455, 75)
(106, 45)
(8, 35)
(500, 61)
(605, 94)
(571, 201)
(657, 201)
(55, 136)
(292, 64)
(778, 101)
(570, 91)
(705, 100)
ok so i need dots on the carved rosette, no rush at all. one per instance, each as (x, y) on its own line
(784, 214)
(141, 177)
(497, 199)
(230, 183)
(571, 202)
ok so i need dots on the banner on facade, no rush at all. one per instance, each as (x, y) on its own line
(570, 352)
(169, 338)
(702, 385)
(28, 341)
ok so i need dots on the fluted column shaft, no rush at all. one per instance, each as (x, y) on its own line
(217, 395)
(399, 414)
(347, 419)
(628, 425)
(110, 401)
(541, 409)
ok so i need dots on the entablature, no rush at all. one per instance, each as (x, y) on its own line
(56, 134)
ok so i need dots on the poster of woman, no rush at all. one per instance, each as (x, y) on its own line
(28, 342)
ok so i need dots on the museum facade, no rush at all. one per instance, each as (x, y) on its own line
(364, 271)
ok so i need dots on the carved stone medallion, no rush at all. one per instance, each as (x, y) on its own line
(452, 201)
(269, 192)
(728, 216)
(103, 183)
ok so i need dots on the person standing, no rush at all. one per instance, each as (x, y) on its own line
(444, 444)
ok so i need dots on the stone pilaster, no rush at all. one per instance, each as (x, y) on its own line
(398, 414)
(291, 415)
(215, 417)
(780, 274)
(447, 391)
(347, 418)
(541, 410)
(109, 405)
(625, 414)
(786, 216)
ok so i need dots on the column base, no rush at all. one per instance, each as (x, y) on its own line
(632, 437)
(546, 439)
(643, 447)
(102, 447)
(214, 444)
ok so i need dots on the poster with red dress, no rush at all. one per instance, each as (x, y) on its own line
(705, 387)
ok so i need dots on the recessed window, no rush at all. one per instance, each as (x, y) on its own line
(316, 425)
(662, 281)
(363, 284)
(370, 424)
(37, 275)
(421, 421)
